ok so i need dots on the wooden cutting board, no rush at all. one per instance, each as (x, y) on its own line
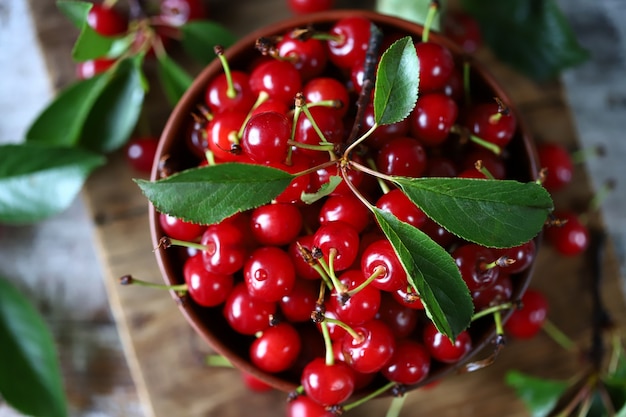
(166, 357)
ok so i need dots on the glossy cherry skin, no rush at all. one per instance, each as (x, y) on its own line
(360, 307)
(276, 224)
(352, 36)
(527, 321)
(571, 237)
(409, 364)
(298, 305)
(372, 350)
(557, 161)
(254, 384)
(245, 314)
(327, 384)
(269, 273)
(402, 320)
(279, 79)
(276, 349)
(398, 204)
(140, 153)
(487, 122)
(345, 208)
(492, 162)
(384, 133)
(308, 56)
(303, 268)
(327, 88)
(380, 254)
(432, 118)
(408, 297)
(265, 137)
(226, 250)
(218, 98)
(92, 67)
(500, 292)
(180, 229)
(310, 6)
(472, 260)
(303, 406)
(403, 156)
(106, 20)
(442, 349)
(222, 136)
(206, 288)
(340, 237)
(329, 123)
(436, 65)
(523, 256)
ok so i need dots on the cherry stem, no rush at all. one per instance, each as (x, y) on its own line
(492, 310)
(497, 318)
(477, 140)
(262, 98)
(396, 406)
(372, 172)
(378, 271)
(359, 141)
(480, 167)
(322, 147)
(381, 183)
(230, 90)
(352, 188)
(166, 242)
(328, 344)
(430, 17)
(210, 157)
(315, 168)
(369, 396)
(355, 335)
(320, 270)
(218, 360)
(502, 262)
(582, 155)
(336, 284)
(129, 280)
(334, 104)
(601, 195)
(466, 82)
(302, 105)
(558, 335)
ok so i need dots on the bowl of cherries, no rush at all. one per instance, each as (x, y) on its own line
(345, 206)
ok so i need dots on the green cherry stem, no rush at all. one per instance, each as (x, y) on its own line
(230, 90)
(130, 280)
(350, 330)
(480, 167)
(477, 140)
(218, 360)
(558, 336)
(369, 396)
(165, 242)
(396, 406)
(378, 271)
(339, 287)
(262, 98)
(430, 17)
(328, 344)
(372, 172)
(492, 310)
(321, 147)
(381, 183)
(356, 143)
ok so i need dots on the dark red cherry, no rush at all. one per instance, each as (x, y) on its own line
(442, 349)
(523, 256)
(409, 364)
(106, 20)
(276, 224)
(298, 305)
(265, 137)
(403, 156)
(402, 320)
(557, 162)
(351, 39)
(180, 229)
(398, 204)
(371, 351)
(245, 314)
(500, 292)
(380, 254)
(570, 237)
(220, 98)
(436, 65)
(269, 273)
(475, 263)
(432, 118)
(463, 29)
(307, 55)
(279, 79)
(527, 321)
(206, 288)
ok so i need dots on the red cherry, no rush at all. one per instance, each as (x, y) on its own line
(380, 254)
(303, 406)
(276, 224)
(526, 322)
(352, 36)
(106, 20)
(276, 349)
(464, 30)
(345, 208)
(432, 118)
(91, 67)
(340, 237)
(570, 237)
(245, 314)
(222, 136)
(409, 364)
(522, 255)
(398, 204)
(327, 384)
(327, 88)
(308, 56)
(558, 164)
(206, 288)
(269, 274)
(474, 264)
(298, 305)
(279, 79)
(225, 244)
(488, 122)
(140, 153)
(217, 93)
(407, 297)
(372, 350)
(402, 320)
(500, 292)
(360, 307)
(265, 137)
(403, 156)
(254, 384)
(180, 229)
(310, 6)
(303, 269)
(442, 349)
(436, 65)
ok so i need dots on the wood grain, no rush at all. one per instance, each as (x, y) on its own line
(166, 357)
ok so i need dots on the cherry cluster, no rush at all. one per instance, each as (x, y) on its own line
(272, 270)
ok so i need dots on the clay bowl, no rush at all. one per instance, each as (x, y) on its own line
(209, 322)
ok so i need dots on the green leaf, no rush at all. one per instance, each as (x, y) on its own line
(30, 376)
(114, 114)
(90, 44)
(415, 10)
(539, 395)
(432, 272)
(201, 36)
(210, 194)
(397, 82)
(174, 78)
(61, 122)
(532, 36)
(325, 190)
(493, 213)
(38, 181)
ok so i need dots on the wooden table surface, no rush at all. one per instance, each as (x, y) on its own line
(165, 358)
